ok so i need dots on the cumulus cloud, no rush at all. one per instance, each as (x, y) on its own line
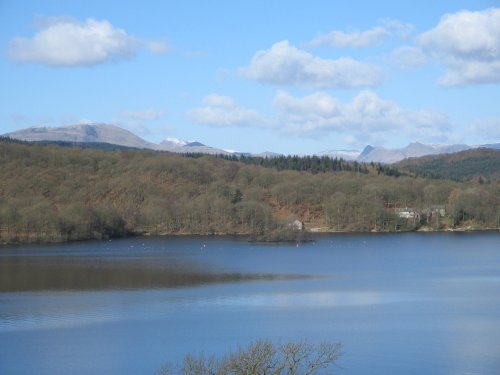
(363, 39)
(285, 64)
(468, 43)
(355, 39)
(64, 41)
(222, 111)
(365, 117)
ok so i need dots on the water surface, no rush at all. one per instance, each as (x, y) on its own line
(399, 303)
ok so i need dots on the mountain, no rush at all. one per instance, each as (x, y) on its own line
(366, 150)
(415, 149)
(185, 147)
(107, 134)
(83, 133)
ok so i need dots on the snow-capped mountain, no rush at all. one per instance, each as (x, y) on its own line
(181, 146)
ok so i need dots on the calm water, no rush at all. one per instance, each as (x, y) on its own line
(400, 304)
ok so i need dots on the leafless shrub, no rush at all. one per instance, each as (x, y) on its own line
(263, 357)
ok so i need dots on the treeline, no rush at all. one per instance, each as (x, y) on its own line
(313, 164)
(310, 163)
(50, 193)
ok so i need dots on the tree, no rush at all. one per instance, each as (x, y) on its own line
(263, 357)
(237, 196)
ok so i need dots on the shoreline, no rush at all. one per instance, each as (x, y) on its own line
(311, 231)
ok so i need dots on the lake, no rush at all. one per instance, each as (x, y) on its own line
(415, 303)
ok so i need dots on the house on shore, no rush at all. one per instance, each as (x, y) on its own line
(407, 213)
(296, 225)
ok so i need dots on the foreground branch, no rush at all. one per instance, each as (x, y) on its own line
(263, 357)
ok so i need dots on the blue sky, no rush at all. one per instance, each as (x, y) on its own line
(285, 76)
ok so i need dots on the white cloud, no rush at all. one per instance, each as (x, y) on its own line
(285, 64)
(409, 57)
(158, 47)
(64, 41)
(222, 111)
(366, 117)
(468, 43)
(363, 39)
(355, 39)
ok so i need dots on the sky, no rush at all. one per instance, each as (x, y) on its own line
(292, 77)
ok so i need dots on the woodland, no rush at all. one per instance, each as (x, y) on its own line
(50, 193)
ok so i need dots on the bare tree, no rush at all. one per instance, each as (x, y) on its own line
(263, 357)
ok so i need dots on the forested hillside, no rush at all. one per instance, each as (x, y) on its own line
(482, 164)
(50, 193)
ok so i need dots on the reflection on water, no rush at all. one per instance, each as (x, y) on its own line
(32, 273)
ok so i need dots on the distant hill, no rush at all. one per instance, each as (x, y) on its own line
(82, 133)
(99, 135)
(415, 149)
(182, 147)
(495, 146)
(108, 136)
(472, 164)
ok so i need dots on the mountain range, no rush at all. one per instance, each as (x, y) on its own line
(112, 134)
(108, 133)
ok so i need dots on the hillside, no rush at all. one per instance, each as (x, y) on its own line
(481, 163)
(50, 193)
